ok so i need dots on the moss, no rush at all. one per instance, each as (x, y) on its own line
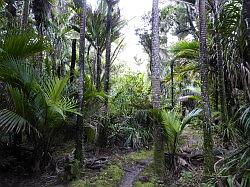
(112, 172)
(78, 183)
(110, 176)
(149, 173)
(148, 184)
(140, 155)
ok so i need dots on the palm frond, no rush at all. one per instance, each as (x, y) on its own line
(245, 120)
(194, 113)
(55, 104)
(12, 122)
(18, 44)
(17, 73)
(185, 49)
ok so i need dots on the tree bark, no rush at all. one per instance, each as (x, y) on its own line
(207, 133)
(79, 126)
(108, 47)
(73, 61)
(220, 66)
(98, 69)
(172, 83)
(159, 160)
(25, 15)
(102, 136)
(94, 60)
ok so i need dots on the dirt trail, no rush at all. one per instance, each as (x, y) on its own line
(131, 173)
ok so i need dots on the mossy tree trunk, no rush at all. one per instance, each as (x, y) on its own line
(73, 60)
(159, 160)
(25, 15)
(208, 141)
(220, 65)
(79, 124)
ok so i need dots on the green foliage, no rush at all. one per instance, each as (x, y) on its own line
(245, 121)
(78, 183)
(39, 101)
(110, 176)
(237, 165)
(176, 19)
(38, 105)
(185, 49)
(135, 130)
(148, 184)
(188, 178)
(20, 44)
(128, 106)
(129, 93)
(173, 126)
(139, 155)
(72, 170)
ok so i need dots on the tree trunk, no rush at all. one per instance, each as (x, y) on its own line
(41, 9)
(102, 136)
(25, 15)
(220, 66)
(172, 83)
(208, 141)
(94, 59)
(98, 69)
(73, 61)
(108, 49)
(159, 161)
(79, 126)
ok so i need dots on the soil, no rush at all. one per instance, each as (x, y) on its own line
(132, 172)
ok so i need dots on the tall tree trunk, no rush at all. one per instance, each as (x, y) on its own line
(108, 47)
(172, 83)
(79, 126)
(94, 60)
(25, 15)
(88, 60)
(159, 161)
(102, 137)
(98, 69)
(220, 66)
(208, 141)
(73, 61)
(41, 9)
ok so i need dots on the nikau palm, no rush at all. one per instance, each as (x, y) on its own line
(39, 106)
(173, 127)
(208, 141)
(159, 161)
(79, 122)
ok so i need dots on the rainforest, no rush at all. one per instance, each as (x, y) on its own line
(124, 93)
